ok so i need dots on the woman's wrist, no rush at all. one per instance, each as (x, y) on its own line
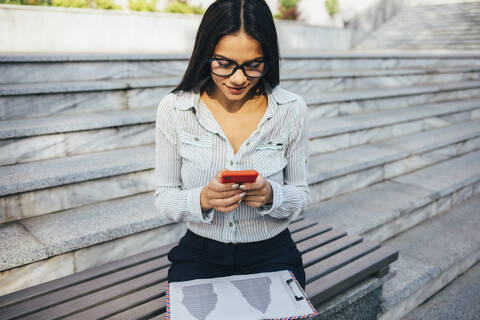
(204, 204)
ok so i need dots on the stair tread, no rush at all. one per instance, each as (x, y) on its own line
(56, 172)
(172, 80)
(336, 163)
(444, 241)
(363, 210)
(45, 236)
(337, 125)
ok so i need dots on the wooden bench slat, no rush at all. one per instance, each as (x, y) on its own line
(122, 303)
(333, 283)
(71, 306)
(321, 240)
(300, 225)
(337, 260)
(82, 276)
(330, 249)
(310, 232)
(145, 311)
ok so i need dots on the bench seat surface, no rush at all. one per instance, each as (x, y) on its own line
(134, 287)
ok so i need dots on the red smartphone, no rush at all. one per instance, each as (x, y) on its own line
(240, 176)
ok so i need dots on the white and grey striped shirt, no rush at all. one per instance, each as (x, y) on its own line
(191, 147)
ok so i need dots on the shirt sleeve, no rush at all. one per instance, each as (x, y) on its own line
(170, 198)
(294, 196)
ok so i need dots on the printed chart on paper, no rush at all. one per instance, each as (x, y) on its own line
(255, 296)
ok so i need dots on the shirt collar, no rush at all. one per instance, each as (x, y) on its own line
(276, 97)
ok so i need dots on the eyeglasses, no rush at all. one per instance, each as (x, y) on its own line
(224, 67)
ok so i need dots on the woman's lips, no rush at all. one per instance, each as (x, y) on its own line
(234, 90)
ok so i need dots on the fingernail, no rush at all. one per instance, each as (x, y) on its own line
(235, 186)
(243, 187)
(241, 195)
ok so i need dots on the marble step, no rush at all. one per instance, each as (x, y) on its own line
(61, 184)
(329, 134)
(64, 87)
(458, 299)
(66, 135)
(14, 68)
(35, 100)
(432, 254)
(383, 210)
(60, 244)
(344, 171)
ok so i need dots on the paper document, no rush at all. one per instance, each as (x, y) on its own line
(269, 295)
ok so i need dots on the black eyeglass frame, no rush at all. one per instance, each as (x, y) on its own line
(237, 66)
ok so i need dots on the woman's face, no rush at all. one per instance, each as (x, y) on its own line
(239, 47)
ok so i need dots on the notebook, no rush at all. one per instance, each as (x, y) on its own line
(268, 295)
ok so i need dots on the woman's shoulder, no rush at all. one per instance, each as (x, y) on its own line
(177, 100)
(289, 99)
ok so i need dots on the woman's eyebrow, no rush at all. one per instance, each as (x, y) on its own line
(219, 55)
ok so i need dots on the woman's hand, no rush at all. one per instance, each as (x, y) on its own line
(258, 193)
(224, 197)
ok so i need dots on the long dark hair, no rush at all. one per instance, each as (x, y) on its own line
(225, 17)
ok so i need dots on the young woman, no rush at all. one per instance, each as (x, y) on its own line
(228, 112)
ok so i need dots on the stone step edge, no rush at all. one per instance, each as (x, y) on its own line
(83, 237)
(71, 86)
(359, 95)
(358, 125)
(21, 128)
(81, 57)
(429, 289)
(76, 177)
(402, 301)
(399, 214)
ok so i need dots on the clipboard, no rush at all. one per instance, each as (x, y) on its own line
(261, 296)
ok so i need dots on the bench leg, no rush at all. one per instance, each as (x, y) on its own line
(382, 272)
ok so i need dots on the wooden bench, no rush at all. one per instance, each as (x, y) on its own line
(134, 287)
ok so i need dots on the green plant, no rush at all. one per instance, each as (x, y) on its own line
(107, 4)
(332, 7)
(143, 5)
(70, 3)
(183, 7)
(287, 9)
(27, 2)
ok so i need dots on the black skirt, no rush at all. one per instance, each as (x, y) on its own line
(196, 257)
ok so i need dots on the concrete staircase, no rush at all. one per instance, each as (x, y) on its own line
(430, 25)
(394, 144)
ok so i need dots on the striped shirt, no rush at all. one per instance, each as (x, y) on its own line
(191, 147)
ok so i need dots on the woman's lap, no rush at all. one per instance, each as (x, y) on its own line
(193, 261)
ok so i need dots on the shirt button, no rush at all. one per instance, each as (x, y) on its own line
(230, 224)
(196, 139)
(269, 142)
(231, 162)
(248, 143)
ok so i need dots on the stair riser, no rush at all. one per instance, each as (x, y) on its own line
(360, 137)
(50, 146)
(292, 65)
(336, 109)
(88, 70)
(81, 259)
(431, 288)
(329, 188)
(85, 70)
(28, 106)
(306, 87)
(39, 202)
(418, 215)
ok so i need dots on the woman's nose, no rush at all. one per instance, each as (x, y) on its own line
(238, 77)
